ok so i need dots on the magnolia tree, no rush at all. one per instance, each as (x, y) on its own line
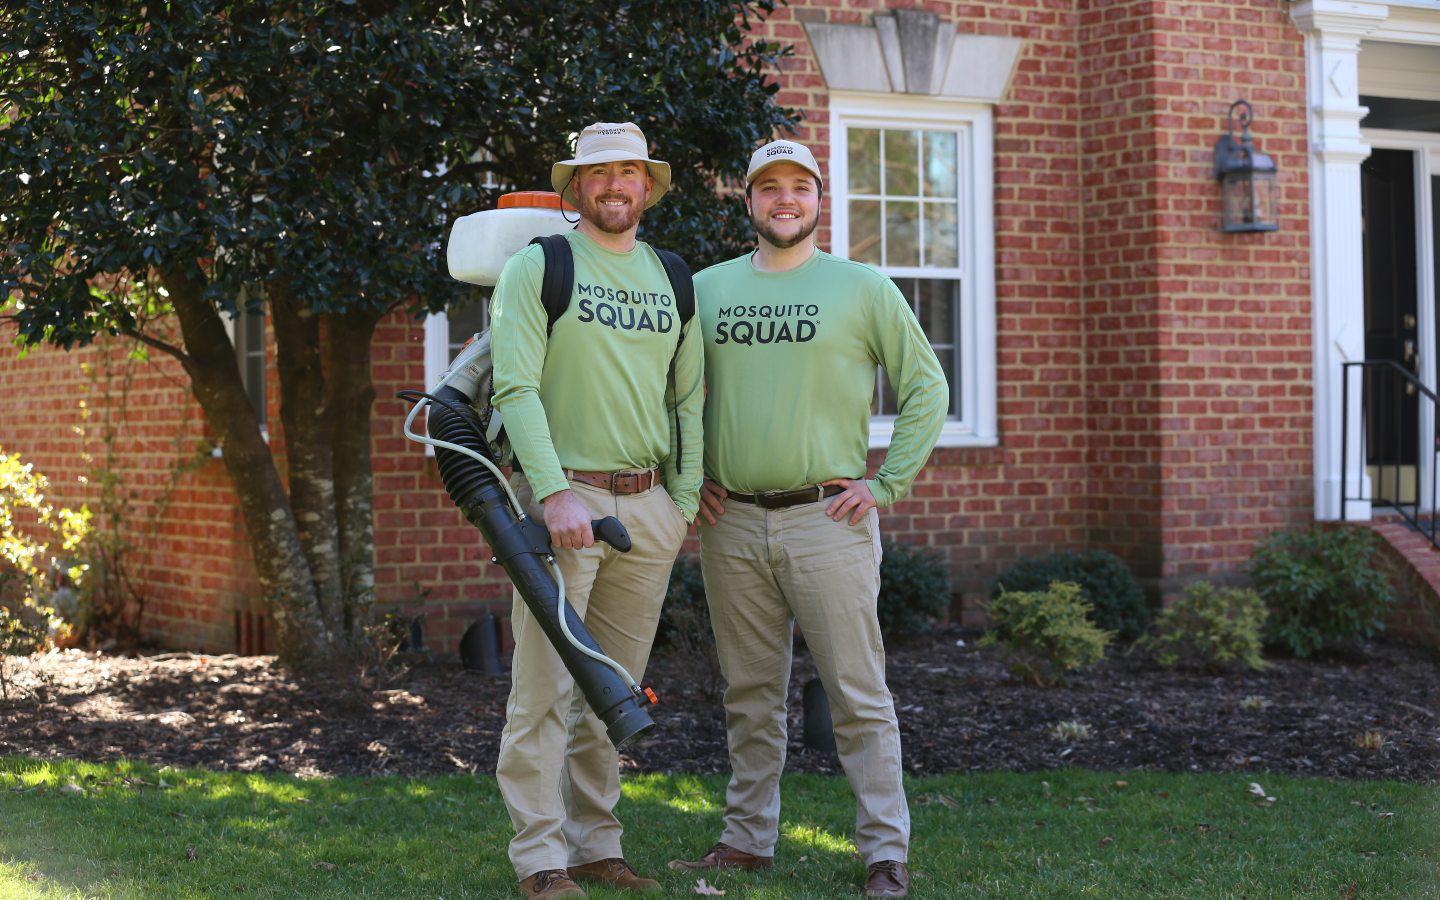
(164, 165)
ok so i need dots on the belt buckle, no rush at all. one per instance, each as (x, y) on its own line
(765, 499)
(613, 476)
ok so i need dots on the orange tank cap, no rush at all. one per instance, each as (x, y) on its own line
(532, 200)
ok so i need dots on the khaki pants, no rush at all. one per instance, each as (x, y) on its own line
(765, 570)
(558, 772)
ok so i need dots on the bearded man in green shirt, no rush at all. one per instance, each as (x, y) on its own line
(588, 407)
(793, 337)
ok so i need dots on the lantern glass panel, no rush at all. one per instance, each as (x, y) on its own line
(1265, 212)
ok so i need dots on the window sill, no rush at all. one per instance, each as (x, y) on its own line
(953, 434)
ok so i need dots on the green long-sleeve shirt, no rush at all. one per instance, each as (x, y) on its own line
(790, 363)
(595, 396)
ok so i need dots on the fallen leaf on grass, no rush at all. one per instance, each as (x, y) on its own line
(189, 852)
(1386, 815)
(71, 787)
(1258, 792)
(1106, 841)
(707, 890)
(327, 866)
(942, 799)
(1045, 788)
(1121, 785)
(33, 876)
(1369, 852)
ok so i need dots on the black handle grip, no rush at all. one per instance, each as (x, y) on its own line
(612, 532)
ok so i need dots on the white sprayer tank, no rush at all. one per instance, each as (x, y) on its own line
(481, 242)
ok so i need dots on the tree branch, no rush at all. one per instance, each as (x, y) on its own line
(157, 344)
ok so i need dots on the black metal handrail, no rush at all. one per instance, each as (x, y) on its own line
(1385, 388)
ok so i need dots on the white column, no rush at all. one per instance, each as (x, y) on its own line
(1333, 31)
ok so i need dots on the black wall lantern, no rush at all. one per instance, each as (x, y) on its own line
(1247, 177)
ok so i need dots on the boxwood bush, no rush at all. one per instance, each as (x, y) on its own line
(1104, 581)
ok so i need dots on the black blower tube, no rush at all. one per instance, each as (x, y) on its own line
(522, 548)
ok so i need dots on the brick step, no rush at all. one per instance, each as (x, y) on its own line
(1416, 566)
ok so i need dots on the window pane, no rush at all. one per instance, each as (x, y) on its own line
(467, 318)
(942, 235)
(937, 299)
(863, 147)
(902, 163)
(937, 309)
(865, 231)
(947, 365)
(902, 233)
(940, 164)
(885, 401)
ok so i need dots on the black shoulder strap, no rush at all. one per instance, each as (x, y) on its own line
(680, 283)
(559, 277)
(683, 287)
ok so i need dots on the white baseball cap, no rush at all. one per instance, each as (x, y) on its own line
(610, 142)
(782, 151)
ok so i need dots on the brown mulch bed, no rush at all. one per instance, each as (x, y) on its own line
(959, 711)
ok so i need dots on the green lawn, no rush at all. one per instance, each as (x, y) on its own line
(82, 829)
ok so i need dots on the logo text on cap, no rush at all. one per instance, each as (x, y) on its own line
(774, 150)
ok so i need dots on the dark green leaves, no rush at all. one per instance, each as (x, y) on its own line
(308, 141)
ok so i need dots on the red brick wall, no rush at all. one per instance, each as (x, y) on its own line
(187, 555)
(1198, 343)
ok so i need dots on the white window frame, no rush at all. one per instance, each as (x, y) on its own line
(230, 324)
(974, 126)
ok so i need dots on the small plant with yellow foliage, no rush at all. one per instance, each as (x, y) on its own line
(35, 537)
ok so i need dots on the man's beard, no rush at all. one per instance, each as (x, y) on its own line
(779, 243)
(610, 219)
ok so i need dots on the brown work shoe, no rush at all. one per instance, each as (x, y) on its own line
(616, 872)
(888, 878)
(550, 883)
(724, 856)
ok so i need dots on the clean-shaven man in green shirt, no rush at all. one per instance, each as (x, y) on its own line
(793, 337)
(590, 413)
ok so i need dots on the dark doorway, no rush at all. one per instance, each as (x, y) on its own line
(1392, 420)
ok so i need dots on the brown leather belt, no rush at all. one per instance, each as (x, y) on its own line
(782, 499)
(617, 482)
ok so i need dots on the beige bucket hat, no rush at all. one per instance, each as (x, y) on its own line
(610, 142)
(782, 151)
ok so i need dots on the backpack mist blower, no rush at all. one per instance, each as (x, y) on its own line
(470, 447)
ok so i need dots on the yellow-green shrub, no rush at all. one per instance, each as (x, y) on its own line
(33, 532)
(1045, 635)
(1211, 627)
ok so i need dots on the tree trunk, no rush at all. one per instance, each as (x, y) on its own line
(280, 561)
(351, 393)
(308, 422)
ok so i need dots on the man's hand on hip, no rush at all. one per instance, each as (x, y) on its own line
(856, 500)
(712, 500)
(568, 521)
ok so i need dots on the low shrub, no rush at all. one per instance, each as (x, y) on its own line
(1045, 635)
(1320, 585)
(35, 535)
(914, 590)
(1210, 627)
(1116, 597)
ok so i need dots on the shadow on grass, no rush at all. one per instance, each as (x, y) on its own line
(114, 830)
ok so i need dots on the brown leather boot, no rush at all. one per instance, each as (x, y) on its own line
(724, 856)
(615, 872)
(887, 878)
(550, 883)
